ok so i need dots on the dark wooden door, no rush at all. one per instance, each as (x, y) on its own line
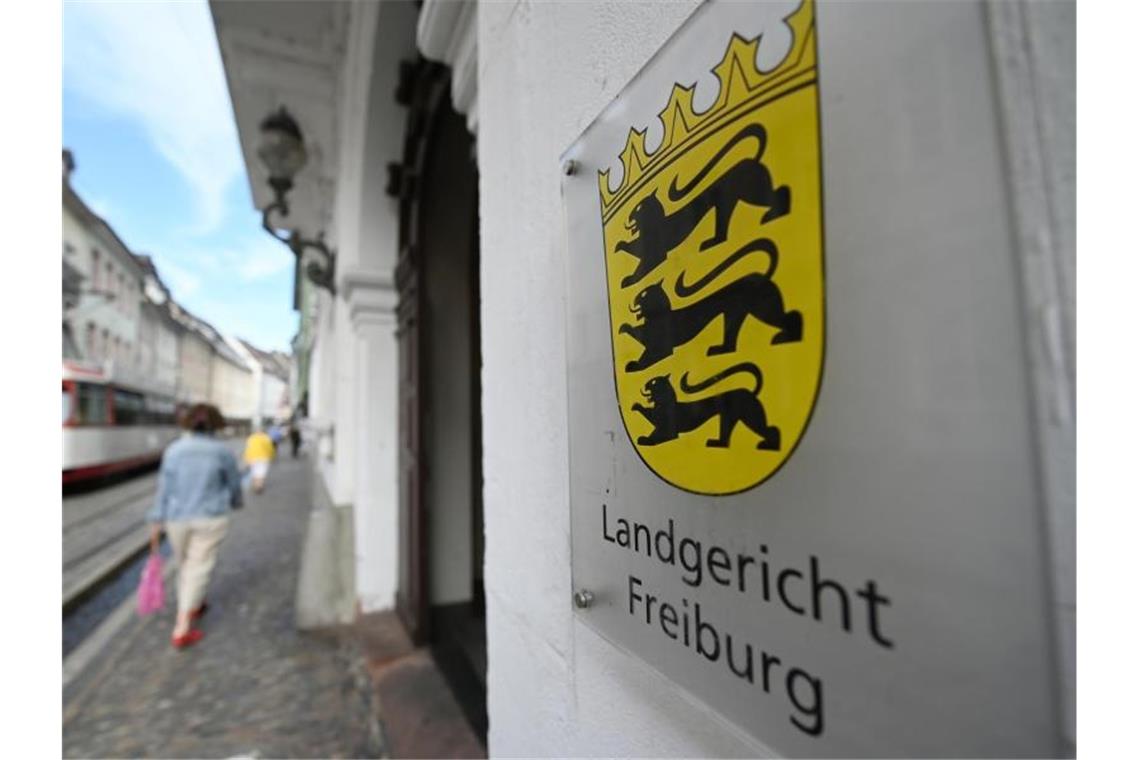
(411, 594)
(422, 88)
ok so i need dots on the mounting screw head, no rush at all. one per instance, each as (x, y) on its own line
(570, 167)
(583, 599)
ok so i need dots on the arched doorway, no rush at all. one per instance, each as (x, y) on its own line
(440, 591)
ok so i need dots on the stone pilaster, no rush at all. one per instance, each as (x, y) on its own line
(371, 299)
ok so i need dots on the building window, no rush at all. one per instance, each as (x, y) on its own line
(105, 344)
(95, 279)
(89, 340)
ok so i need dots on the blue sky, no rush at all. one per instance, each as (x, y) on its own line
(147, 114)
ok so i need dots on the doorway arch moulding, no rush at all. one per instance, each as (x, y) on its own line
(448, 32)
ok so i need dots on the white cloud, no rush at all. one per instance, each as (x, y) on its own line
(100, 206)
(264, 258)
(158, 64)
(182, 282)
(253, 256)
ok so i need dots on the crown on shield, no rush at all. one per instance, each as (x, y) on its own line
(739, 80)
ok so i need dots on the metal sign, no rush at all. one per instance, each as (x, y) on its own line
(800, 580)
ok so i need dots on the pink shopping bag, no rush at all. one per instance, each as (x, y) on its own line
(151, 594)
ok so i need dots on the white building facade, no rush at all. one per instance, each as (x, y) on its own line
(233, 386)
(194, 359)
(105, 321)
(159, 333)
(438, 378)
(270, 382)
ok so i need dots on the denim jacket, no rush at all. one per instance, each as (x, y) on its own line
(198, 478)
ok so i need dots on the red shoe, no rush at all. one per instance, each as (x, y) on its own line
(191, 637)
(203, 608)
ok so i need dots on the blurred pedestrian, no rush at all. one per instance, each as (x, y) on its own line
(295, 438)
(198, 486)
(259, 452)
(276, 434)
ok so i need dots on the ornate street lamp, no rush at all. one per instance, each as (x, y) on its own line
(282, 150)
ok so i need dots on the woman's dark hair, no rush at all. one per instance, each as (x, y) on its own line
(203, 418)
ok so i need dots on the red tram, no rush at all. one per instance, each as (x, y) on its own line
(111, 426)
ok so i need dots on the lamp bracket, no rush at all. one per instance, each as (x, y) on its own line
(321, 275)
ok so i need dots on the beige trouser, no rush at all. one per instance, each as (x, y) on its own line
(195, 544)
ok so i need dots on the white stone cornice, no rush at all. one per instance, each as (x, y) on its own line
(447, 31)
(371, 297)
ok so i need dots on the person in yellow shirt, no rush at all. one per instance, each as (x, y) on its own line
(259, 452)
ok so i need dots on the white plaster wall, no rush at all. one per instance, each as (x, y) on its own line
(272, 391)
(121, 314)
(343, 487)
(316, 366)
(166, 356)
(375, 577)
(146, 351)
(219, 386)
(323, 388)
(257, 376)
(382, 137)
(194, 370)
(232, 389)
(157, 351)
(1034, 57)
(376, 529)
(352, 103)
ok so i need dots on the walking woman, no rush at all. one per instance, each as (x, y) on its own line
(198, 486)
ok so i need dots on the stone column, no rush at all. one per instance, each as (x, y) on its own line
(371, 299)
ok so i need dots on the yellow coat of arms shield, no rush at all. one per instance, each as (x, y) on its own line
(714, 267)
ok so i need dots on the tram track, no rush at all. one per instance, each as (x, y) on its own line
(92, 582)
(87, 534)
(132, 527)
(103, 532)
(146, 492)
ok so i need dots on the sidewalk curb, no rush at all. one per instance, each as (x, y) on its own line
(91, 647)
(78, 593)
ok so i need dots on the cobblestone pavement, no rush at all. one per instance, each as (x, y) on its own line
(254, 686)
